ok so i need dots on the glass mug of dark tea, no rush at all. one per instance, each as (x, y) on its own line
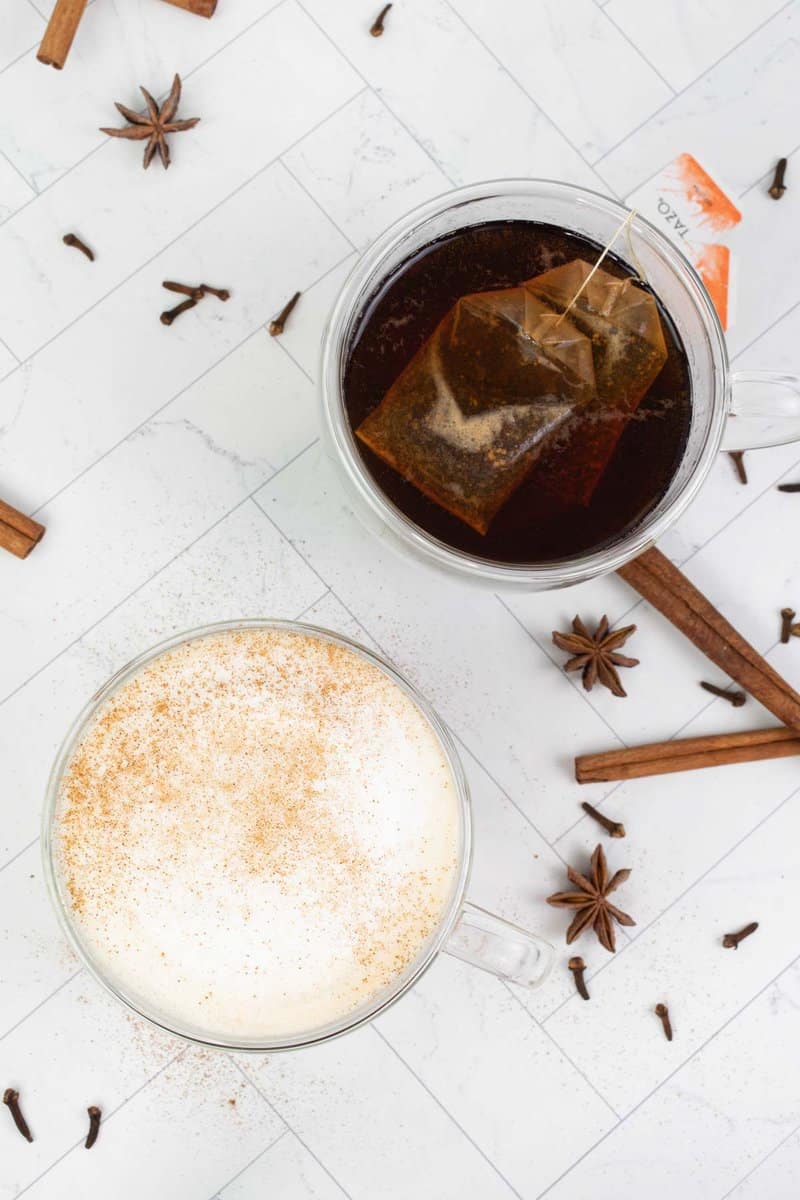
(515, 408)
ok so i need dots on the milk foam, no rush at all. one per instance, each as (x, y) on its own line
(257, 834)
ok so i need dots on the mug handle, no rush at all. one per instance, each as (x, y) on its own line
(765, 410)
(494, 944)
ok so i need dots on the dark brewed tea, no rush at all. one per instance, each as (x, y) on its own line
(541, 520)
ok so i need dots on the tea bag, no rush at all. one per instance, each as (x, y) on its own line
(468, 417)
(629, 351)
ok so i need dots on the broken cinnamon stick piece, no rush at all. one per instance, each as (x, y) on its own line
(202, 8)
(686, 754)
(18, 533)
(668, 590)
(61, 29)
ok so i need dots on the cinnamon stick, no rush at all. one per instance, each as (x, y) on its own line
(202, 8)
(18, 533)
(668, 590)
(686, 754)
(61, 29)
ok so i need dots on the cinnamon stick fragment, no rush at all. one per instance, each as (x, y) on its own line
(668, 590)
(18, 533)
(61, 29)
(201, 8)
(686, 754)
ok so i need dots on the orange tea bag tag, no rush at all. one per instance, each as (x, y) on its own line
(690, 208)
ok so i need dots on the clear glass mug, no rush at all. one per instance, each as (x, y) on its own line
(731, 411)
(465, 930)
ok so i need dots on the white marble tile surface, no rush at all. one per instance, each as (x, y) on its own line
(737, 117)
(181, 478)
(563, 55)
(288, 1169)
(685, 38)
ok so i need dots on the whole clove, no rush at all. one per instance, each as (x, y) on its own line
(737, 699)
(172, 314)
(789, 487)
(198, 292)
(731, 940)
(615, 828)
(276, 325)
(11, 1100)
(94, 1126)
(778, 187)
(183, 289)
(787, 616)
(737, 458)
(72, 239)
(662, 1012)
(577, 966)
(377, 26)
(221, 293)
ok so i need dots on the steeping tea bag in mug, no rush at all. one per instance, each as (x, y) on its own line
(470, 414)
(622, 320)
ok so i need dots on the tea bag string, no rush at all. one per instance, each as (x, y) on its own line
(624, 227)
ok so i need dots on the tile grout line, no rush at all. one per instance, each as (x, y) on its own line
(312, 197)
(695, 1054)
(157, 572)
(623, 33)
(106, 1118)
(19, 854)
(220, 49)
(765, 331)
(503, 792)
(13, 355)
(25, 180)
(182, 391)
(217, 1195)
(504, 68)
(761, 1162)
(246, 1076)
(41, 1004)
(424, 149)
(707, 71)
(634, 939)
(367, 84)
(313, 603)
(445, 1110)
(561, 1051)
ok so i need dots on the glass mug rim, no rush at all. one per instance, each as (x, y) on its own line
(365, 1012)
(359, 285)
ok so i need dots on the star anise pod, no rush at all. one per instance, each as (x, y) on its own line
(155, 124)
(596, 655)
(592, 903)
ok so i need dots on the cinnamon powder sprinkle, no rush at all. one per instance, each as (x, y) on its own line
(258, 832)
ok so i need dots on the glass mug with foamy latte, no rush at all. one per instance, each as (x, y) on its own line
(257, 836)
